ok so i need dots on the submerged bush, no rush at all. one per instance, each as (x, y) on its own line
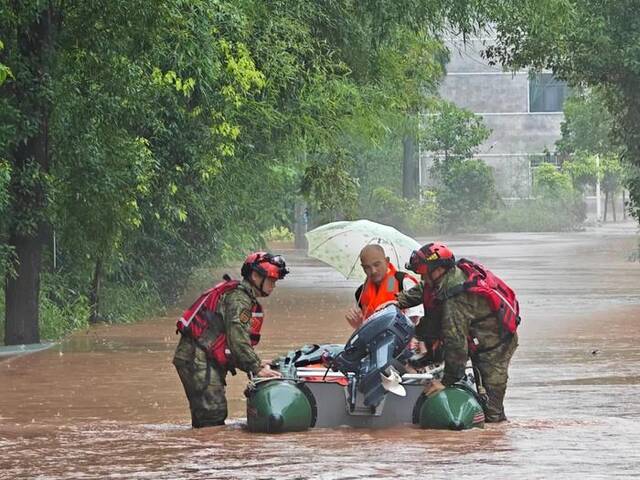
(543, 214)
(466, 196)
(409, 216)
(129, 303)
(384, 206)
(549, 182)
(278, 234)
(423, 216)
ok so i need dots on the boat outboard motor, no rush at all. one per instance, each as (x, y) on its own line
(376, 346)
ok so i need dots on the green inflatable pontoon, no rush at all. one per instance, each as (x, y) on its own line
(361, 384)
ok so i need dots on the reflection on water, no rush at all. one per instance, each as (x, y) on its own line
(107, 403)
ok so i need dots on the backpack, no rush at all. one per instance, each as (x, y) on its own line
(501, 298)
(194, 320)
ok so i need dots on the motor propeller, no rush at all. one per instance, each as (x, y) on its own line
(392, 382)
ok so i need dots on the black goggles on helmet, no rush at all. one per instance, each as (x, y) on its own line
(278, 261)
(415, 259)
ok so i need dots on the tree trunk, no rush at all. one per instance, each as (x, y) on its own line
(613, 206)
(30, 160)
(22, 292)
(606, 205)
(409, 168)
(94, 294)
(624, 204)
(300, 225)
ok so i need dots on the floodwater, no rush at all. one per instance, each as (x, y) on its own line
(107, 403)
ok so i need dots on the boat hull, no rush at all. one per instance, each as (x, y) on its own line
(277, 406)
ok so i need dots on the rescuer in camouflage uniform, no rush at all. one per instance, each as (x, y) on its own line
(204, 380)
(456, 319)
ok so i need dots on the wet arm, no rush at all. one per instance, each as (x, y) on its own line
(410, 298)
(455, 328)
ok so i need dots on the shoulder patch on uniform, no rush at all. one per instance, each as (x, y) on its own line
(245, 316)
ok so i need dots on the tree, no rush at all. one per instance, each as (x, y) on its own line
(452, 134)
(588, 139)
(467, 195)
(465, 188)
(86, 136)
(26, 102)
(146, 146)
(590, 43)
(329, 188)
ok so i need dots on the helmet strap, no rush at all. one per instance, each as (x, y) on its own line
(264, 277)
(259, 287)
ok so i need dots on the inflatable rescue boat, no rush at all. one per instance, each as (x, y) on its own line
(361, 384)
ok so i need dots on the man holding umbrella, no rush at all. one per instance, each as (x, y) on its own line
(382, 284)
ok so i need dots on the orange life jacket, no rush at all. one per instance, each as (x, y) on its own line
(371, 295)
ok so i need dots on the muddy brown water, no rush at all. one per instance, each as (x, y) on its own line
(107, 403)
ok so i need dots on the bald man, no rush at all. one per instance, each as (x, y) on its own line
(383, 282)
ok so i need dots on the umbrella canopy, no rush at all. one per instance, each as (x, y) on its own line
(339, 243)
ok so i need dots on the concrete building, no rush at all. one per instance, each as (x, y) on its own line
(523, 111)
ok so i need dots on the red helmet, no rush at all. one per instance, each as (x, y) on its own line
(266, 264)
(430, 257)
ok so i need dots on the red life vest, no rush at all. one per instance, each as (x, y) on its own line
(481, 281)
(501, 298)
(371, 295)
(195, 321)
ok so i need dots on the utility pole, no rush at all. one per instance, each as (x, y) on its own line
(598, 207)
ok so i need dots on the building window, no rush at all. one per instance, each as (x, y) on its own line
(546, 93)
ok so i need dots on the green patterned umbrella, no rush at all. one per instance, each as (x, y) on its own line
(339, 243)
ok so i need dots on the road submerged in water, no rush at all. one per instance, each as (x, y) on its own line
(107, 403)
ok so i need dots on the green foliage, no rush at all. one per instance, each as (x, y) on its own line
(557, 206)
(587, 43)
(386, 207)
(549, 182)
(582, 169)
(62, 310)
(612, 173)
(587, 136)
(130, 302)
(542, 214)
(464, 189)
(278, 234)
(410, 216)
(5, 72)
(466, 195)
(329, 188)
(176, 135)
(424, 215)
(5, 178)
(452, 133)
(587, 125)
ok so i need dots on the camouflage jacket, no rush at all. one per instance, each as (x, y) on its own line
(234, 308)
(455, 320)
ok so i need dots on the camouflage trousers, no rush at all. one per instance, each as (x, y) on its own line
(493, 367)
(205, 391)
